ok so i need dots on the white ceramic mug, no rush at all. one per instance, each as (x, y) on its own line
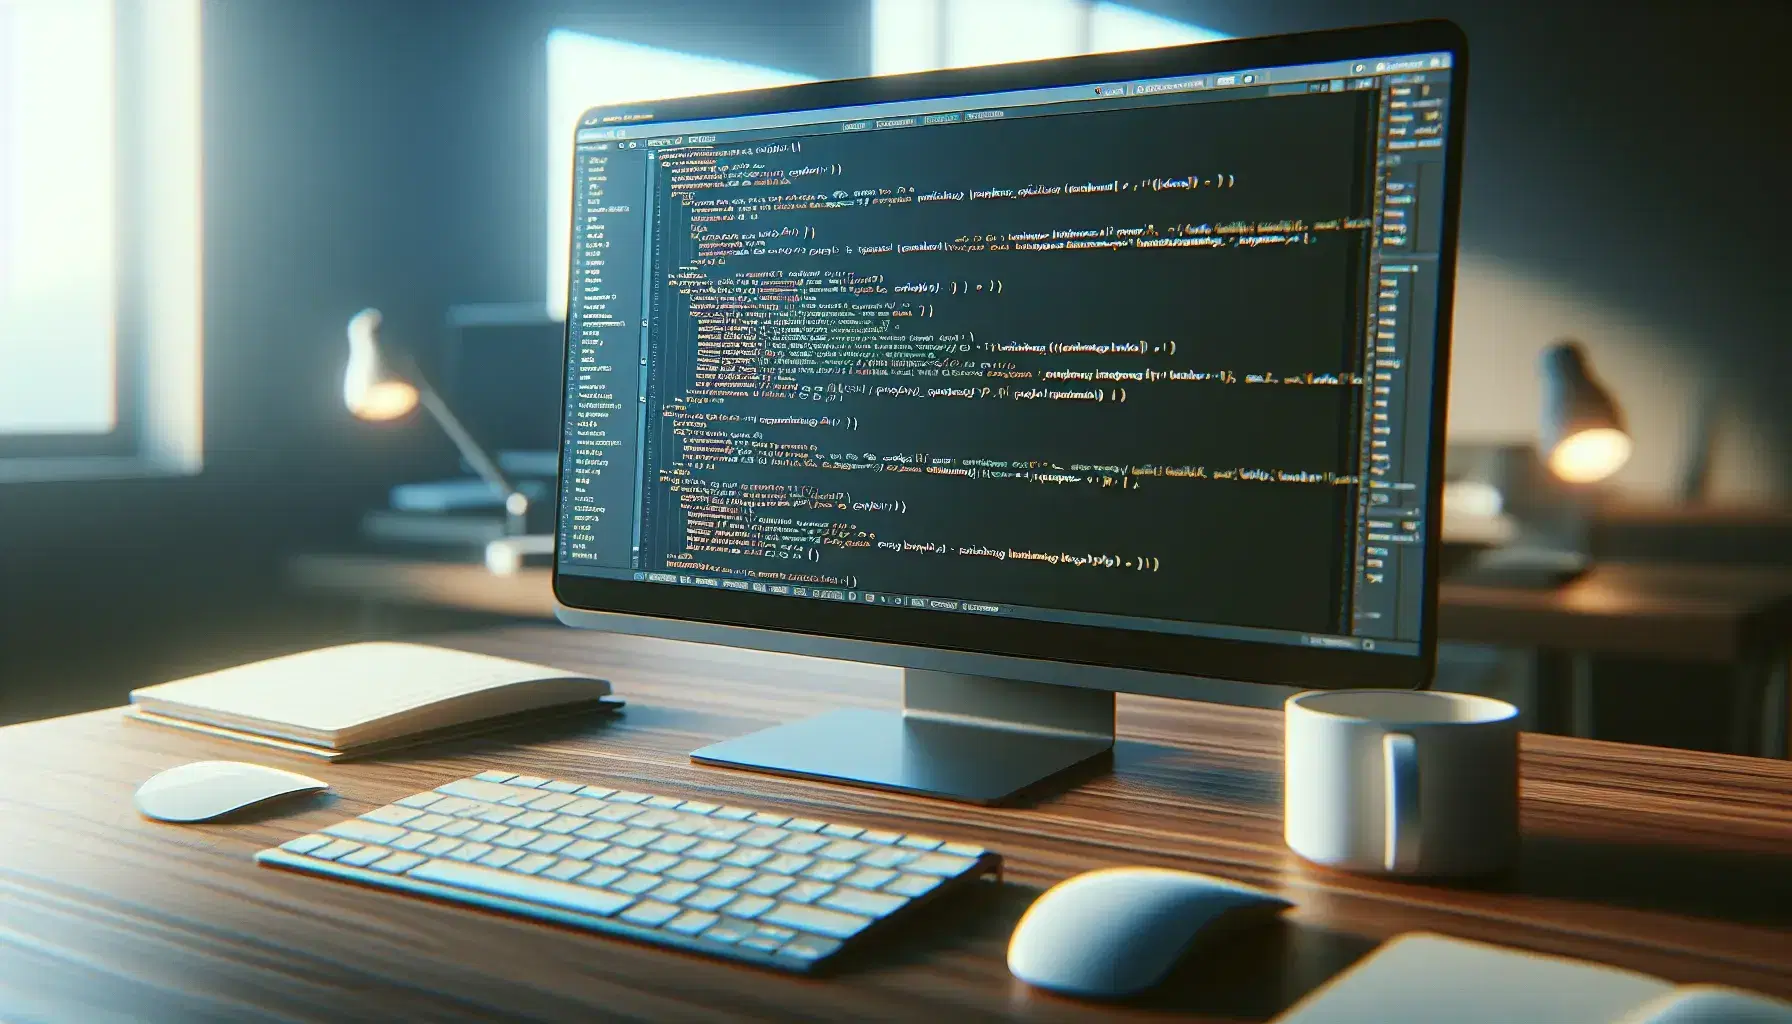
(1402, 782)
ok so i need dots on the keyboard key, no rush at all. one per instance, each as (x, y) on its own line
(495, 776)
(729, 931)
(617, 812)
(550, 802)
(475, 788)
(411, 840)
(805, 892)
(732, 813)
(564, 824)
(364, 831)
(728, 877)
(499, 814)
(710, 849)
(652, 818)
(880, 838)
(912, 885)
(764, 818)
(830, 870)
(672, 892)
(458, 827)
(672, 844)
(561, 787)
(419, 801)
(364, 856)
(336, 849)
(749, 907)
(550, 844)
(583, 806)
(398, 863)
(667, 802)
(516, 838)
(566, 870)
(804, 825)
(601, 875)
(787, 864)
(687, 824)
(530, 819)
(692, 922)
(500, 858)
(919, 843)
(583, 849)
(831, 923)
(939, 864)
(841, 831)
(761, 943)
(617, 855)
(305, 844)
(748, 858)
(595, 792)
(690, 870)
(469, 851)
(451, 805)
(808, 947)
(649, 913)
(531, 781)
(699, 807)
(763, 836)
(430, 822)
(484, 833)
(858, 901)
(727, 831)
(518, 797)
(654, 863)
(802, 844)
(963, 850)
(870, 878)
(531, 863)
(845, 849)
(438, 846)
(600, 830)
(773, 932)
(768, 885)
(637, 883)
(710, 899)
(536, 890)
(626, 797)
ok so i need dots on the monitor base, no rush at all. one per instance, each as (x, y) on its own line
(971, 738)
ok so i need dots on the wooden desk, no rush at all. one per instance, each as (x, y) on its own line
(1731, 615)
(1668, 862)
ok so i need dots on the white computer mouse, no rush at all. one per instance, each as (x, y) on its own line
(1118, 931)
(1711, 1004)
(204, 790)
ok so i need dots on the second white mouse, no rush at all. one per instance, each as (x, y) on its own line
(1119, 931)
(203, 790)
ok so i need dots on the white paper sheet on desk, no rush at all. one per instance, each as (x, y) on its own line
(359, 694)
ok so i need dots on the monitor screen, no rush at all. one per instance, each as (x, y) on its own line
(1155, 355)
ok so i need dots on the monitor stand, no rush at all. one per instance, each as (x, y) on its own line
(972, 738)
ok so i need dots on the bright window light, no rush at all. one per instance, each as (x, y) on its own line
(586, 71)
(58, 217)
(1115, 27)
(919, 35)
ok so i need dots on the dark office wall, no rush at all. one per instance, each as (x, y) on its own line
(357, 152)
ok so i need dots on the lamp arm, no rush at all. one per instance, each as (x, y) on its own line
(483, 464)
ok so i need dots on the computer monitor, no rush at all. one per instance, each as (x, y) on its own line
(1041, 381)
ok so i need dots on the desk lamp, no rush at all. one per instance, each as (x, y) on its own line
(379, 386)
(1583, 443)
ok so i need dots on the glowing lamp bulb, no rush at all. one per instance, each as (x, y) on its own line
(1590, 455)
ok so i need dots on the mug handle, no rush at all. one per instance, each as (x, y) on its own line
(1400, 835)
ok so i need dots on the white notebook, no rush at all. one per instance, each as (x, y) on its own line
(1420, 978)
(349, 698)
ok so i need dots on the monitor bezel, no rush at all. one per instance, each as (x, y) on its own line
(1030, 639)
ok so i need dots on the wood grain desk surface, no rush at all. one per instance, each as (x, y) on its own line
(1674, 863)
(1698, 612)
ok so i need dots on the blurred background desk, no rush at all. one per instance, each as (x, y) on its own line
(1735, 617)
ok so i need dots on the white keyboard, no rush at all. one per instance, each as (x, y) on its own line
(728, 881)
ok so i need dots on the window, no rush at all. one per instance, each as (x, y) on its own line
(586, 71)
(918, 35)
(99, 237)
